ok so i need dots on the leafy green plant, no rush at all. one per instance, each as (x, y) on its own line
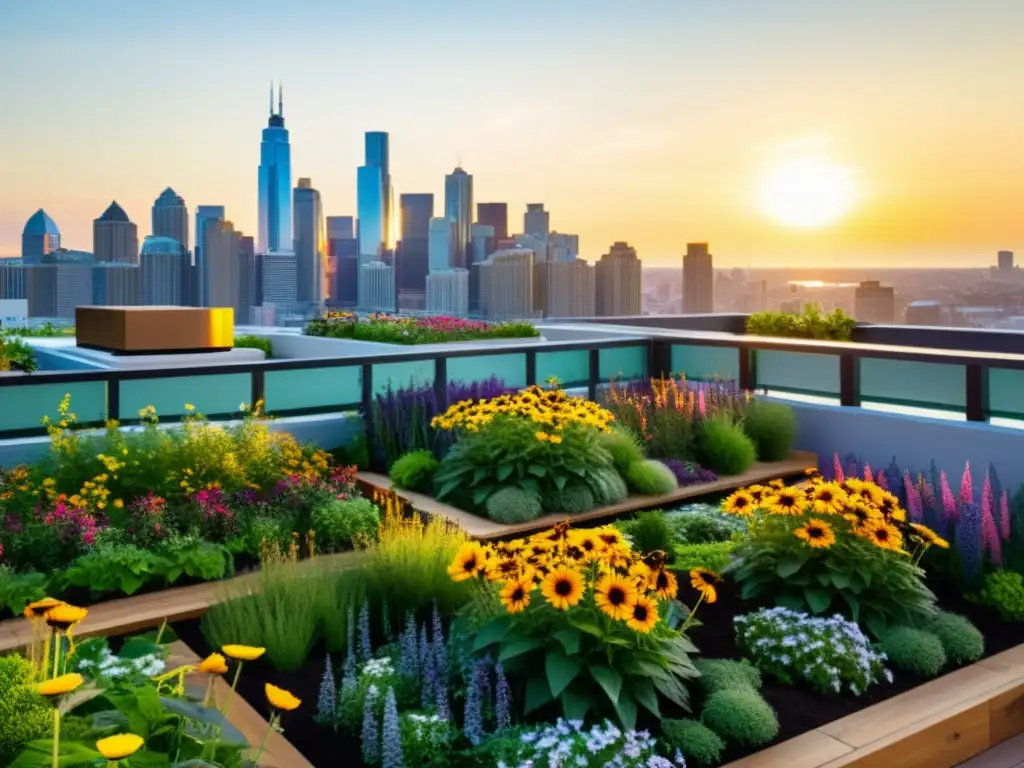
(699, 744)
(810, 324)
(608, 487)
(354, 453)
(1003, 591)
(513, 505)
(916, 651)
(705, 523)
(19, 589)
(194, 558)
(649, 532)
(624, 446)
(343, 523)
(740, 716)
(960, 639)
(650, 478)
(414, 470)
(722, 446)
(249, 341)
(714, 556)
(726, 674)
(16, 355)
(24, 714)
(772, 428)
(114, 567)
(572, 499)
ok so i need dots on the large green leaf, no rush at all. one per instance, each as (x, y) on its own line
(137, 647)
(788, 567)
(518, 646)
(570, 640)
(840, 579)
(538, 693)
(480, 473)
(504, 470)
(643, 692)
(561, 670)
(574, 705)
(673, 690)
(854, 604)
(537, 469)
(590, 629)
(625, 708)
(818, 599)
(609, 680)
(72, 754)
(790, 600)
(493, 631)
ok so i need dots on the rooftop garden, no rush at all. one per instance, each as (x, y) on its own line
(15, 354)
(392, 329)
(812, 323)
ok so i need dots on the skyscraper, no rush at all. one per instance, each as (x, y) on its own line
(204, 215)
(370, 210)
(221, 264)
(377, 287)
(163, 261)
(1005, 260)
(378, 155)
(506, 285)
(116, 284)
(482, 246)
(309, 244)
(60, 282)
(458, 208)
(563, 247)
(874, 302)
(564, 288)
(618, 279)
(495, 215)
(412, 251)
(343, 255)
(448, 292)
(170, 217)
(114, 237)
(275, 182)
(698, 280)
(278, 279)
(536, 221)
(39, 237)
(442, 244)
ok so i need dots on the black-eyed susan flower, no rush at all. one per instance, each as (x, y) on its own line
(740, 503)
(928, 536)
(120, 746)
(786, 501)
(777, 484)
(515, 595)
(503, 568)
(883, 535)
(243, 652)
(816, 533)
(643, 614)
(39, 608)
(613, 594)
(470, 560)
(281, 699)
(640, 573)
(827, 499)
(63, 617)
(664, 583)
(860, 514)
(610, 536)
(563, 588)
(704, 581)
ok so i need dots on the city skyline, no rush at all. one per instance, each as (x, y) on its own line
(675, 142)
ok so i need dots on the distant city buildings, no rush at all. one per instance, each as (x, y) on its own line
(170, 218)
(278, 272)
(204, 215)
(377, 287)
(309, 243)
(343, 257)
(448, 292)
(698, 280)
(563, 247)
(164, 266)
(924, 312)
(442, 244)
(39, 237)
(1005, 260)
(221, 264)
(378, 155)
(412, 258)
(494, 215)
(564, 288)
(458, 208)
(506, 285)
(874, 303)
(618, 282)
(275, 183)
(114, 237)
(537, 221)
(116, 284)
(57, 285)
(370, 210)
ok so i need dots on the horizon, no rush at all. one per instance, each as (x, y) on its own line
(902, 113)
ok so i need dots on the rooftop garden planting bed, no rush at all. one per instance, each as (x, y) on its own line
(389, 329)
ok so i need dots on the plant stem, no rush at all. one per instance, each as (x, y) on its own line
(270, 729)
(693, 612)
(56, 651)
(231, 693)
(160, 632)
(56, 737)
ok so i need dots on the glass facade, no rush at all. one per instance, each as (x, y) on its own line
(275, 186)
(370, 210)
(378, 155)
(458, 208)
(309, 244)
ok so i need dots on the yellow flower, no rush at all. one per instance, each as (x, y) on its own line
(243, 652)
(64, 616)
(119, 746)
(786, 501)
(58, 686)
(883, 535)
(40, 608)
(614, 594)
(643, 614)
(827, 499)
(281, 699)
(664, 584)
(118, 504)
(740, 503)
(189, 407)
(928, 536)
(542, 436)
(214, 664)
(816, 533)
(563, 588)
(515, 595)
(704, 582)
(470, 560)
(554, 439)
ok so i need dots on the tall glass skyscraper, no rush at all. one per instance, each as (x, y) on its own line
(275, 182)
(458, 208)
(309, 243)
(378, 155)
(204, 215)
(370, 210)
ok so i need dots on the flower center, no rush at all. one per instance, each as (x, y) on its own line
(616, 596)
(640, 613)
(563, 588)
(518, 595)
(470, 564)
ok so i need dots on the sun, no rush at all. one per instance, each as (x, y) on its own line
(808, 192)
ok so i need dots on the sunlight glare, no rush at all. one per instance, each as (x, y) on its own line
(808, 192)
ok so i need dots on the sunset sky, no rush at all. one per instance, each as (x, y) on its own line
(657, 122)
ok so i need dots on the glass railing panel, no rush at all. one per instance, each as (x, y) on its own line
(571, 367)
(704, 363)
(509, 368)
(215, 395)
(418, 373)
(23, 406)
(622, 363)
(1006, 393)
(309, 388)
(799, 372)
(939, 386)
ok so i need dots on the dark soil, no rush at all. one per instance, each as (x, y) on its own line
(799, 709)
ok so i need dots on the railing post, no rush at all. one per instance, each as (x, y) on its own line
(849, 380)
(258, 393)
(114, 398)
(595, 373)
(977, 392)
(367, 408)
(441, 382)
(659, 359)
(531, 367)
(748, 368)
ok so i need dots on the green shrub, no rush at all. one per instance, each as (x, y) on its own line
(699, 744)
(573, 499)
(650, 478)
(414, 471)
(19, 589)
(513, 505)
(249, 341)
(726, 674)
(608, 487)
(624, 447)
(1003, 591)
(740, 716)
(916, 651)
(714, 555)
(16, 355)
(960, 639)
(772, 428)
(114, 567)
(343, 523)
(810, 324)
(649, 532)
(723, 448)
(705, 523)
(24, 714)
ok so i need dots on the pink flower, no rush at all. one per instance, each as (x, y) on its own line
(837, 468)
(1004, 516)
(868, 477)
(949, 508)
(880, 481)
(989, 533)
(967, 486)
(914, 505)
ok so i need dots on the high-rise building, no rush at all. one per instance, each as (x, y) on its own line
(370, 209)
(309, 244)
(618, 282)
(377, 287)
(925, 312)
(250, 277)
(278, 279)
(204, 215)
(482, 246)
(494, 215)
(12, 279)
(163, 261)
(506, 285)
(537, 221)
(458, 208)
(874, 302)
(442, 246)
(412, 251)
(698, 280)
(221, 247)
(39, 237)
(116, 284)
(170, 217)
(275, 182)
(378, 155)
(114, 237)
(534, 243)
(1005, 260)
(563, 247)
(448, 292)
(343, 257)
(564, 288)
(59, 283)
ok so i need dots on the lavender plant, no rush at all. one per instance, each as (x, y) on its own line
(428, 659)
(327, 700)
(826, 653)
(370, 733)
(391, 735)
(408, 662)
(473, 719)
(502, 700)
(365, 647)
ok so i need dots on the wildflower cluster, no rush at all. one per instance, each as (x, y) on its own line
(826, 653)
(378, 668)
(551, 410)
(109, 666)
(828, 510)
(394, 329)
(567, 743)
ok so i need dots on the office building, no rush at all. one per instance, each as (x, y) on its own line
(925, 312)
(564, 288)
(170, 217)
(12, 279)
(537, 221)
(448, 292)
(39, 237)
(698, 280)
(618, 282)
(534, 243)
(482, 246)
(458, 208)
(442, 244)
(494, 215)
(412, 252)
(563, 247)
(874, 303)
(370, 209)
(162, 263)
(343, 258)
(309, 243)
(60, 282)
(116, 284)
(377, 287)
(250, 277)
(275, 182)
(1005, 260)
(204, 215)
(279, 279)
(221, 247)
(378, 155)
(506, 285)
(114, 237)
